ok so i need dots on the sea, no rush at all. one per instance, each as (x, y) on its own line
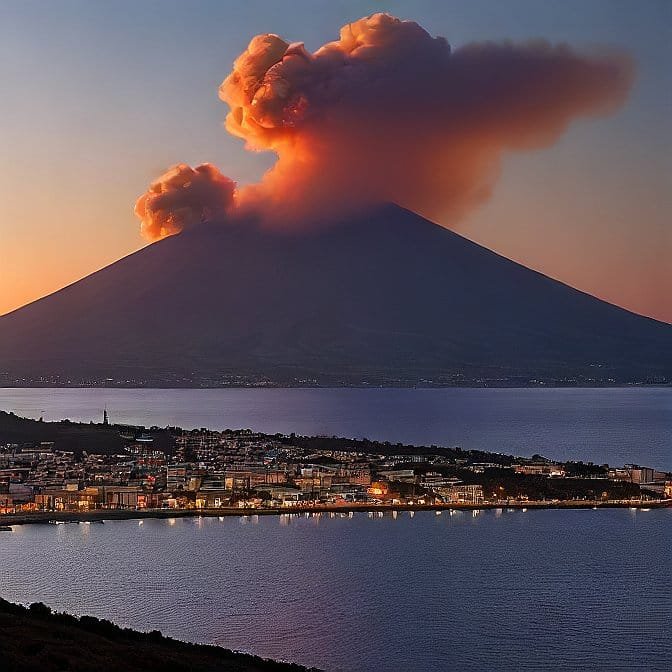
(408, 592)
(601, 425)
(496, 590)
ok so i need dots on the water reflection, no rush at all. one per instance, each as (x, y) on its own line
(351, 592)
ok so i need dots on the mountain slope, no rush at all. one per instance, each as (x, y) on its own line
(387, 296)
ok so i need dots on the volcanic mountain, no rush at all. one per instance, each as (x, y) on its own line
(384, 298)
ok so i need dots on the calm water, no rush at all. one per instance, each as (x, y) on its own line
(601, 425)
(543, 590)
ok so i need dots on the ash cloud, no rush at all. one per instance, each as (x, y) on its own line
(389, 113)
(184, 197)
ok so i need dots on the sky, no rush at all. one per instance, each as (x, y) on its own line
(99, 98)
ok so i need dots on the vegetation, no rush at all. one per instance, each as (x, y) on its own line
(506, 484)
(334, 443)
(35, 639)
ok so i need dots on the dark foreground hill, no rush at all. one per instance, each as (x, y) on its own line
(36, 640)
(386, 297)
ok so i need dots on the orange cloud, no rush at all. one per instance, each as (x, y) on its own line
(183, 197)
(389, 113)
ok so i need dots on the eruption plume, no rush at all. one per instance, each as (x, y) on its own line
(389, 113)
(182, 197)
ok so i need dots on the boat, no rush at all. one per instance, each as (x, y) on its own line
(5, 528)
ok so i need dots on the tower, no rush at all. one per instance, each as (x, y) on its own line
(106, 420)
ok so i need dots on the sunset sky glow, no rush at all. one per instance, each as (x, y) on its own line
(105, 97)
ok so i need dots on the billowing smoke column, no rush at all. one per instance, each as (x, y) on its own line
(389, 113)
(182, 197)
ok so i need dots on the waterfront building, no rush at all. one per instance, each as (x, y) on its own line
(462, 494)
(540, 469)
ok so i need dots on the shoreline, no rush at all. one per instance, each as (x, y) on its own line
(36, 637)
(98, 515)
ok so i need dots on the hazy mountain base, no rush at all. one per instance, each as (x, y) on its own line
(35, 639)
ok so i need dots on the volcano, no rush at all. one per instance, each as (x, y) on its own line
(386, 297)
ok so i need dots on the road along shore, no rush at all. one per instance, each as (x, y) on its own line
(98, 515)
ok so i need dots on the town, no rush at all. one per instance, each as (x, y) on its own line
(128, 468)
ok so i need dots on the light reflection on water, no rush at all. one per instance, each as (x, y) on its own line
(501, 589)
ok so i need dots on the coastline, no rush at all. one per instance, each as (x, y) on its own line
(37, 638)
(99, 515)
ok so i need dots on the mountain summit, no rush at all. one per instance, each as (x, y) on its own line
(385, 298)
